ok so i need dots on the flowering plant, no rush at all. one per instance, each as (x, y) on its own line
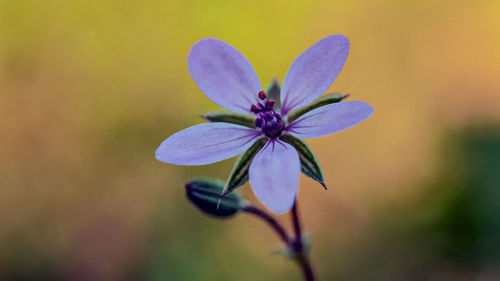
(266, 127)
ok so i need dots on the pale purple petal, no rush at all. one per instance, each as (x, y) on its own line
(313, 72)
(274, 176)
(206, 143)
(330, 118)
(224, 75)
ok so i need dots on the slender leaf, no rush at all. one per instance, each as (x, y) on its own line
(230, 117)
(309, 163)
(239, 173)
(321, 101)
(205, 194)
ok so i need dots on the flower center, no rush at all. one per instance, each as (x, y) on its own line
(267, 120)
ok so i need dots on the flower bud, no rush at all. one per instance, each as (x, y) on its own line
(205, 194)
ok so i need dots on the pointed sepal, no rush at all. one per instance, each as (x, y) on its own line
(309, 163)
(230, 117)
(273, 92)
(204, 194)
(239, 173)
(321, 101)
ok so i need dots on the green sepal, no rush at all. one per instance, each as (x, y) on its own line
(321, 101)
(230, 117)
(306, 243)
(285, 252)
(205, 194)
(288, 253)
(309, 163)
(273, 93)
(239, 173)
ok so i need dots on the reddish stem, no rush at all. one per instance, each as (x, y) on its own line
(273, 223)
(297, 246)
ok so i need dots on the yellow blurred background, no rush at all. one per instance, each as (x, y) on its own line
(89, 89)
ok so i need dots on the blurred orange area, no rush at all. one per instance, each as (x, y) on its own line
(89, 89)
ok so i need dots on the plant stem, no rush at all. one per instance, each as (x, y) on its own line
(297, 246)
(296, 224)
(275, 225)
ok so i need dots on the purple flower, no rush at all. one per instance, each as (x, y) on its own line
(227, 78)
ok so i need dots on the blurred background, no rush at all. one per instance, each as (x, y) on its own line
(89, 89)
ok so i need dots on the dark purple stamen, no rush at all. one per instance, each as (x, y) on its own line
(267, 120)
(259, 123)
(255, 109)
(270, 104)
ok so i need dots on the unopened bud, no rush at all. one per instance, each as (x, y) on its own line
(205, 194)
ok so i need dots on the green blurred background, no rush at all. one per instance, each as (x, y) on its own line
(90, 88)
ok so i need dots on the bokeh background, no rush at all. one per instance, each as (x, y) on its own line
(90, 88)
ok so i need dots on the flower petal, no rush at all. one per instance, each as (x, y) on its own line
(206, 143)
(313, 72)
(274, 176)
(330, 119)
(224, 75)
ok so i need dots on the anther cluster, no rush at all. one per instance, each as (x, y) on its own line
(267, 120)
